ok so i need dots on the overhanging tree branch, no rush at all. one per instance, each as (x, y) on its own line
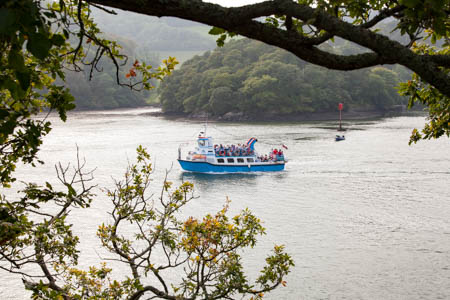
(439, 59)
(240, 20)
(384, 14)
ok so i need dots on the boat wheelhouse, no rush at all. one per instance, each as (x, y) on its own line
(210, 158)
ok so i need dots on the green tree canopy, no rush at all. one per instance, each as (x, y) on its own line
(274, 82)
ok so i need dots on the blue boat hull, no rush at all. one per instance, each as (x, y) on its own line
(205, 167)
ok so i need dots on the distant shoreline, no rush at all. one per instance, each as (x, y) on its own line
(318, 116)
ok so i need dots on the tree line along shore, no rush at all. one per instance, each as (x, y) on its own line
(248, 80)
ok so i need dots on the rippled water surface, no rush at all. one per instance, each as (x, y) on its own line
(365, 218)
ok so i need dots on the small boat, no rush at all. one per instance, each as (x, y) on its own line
(339, 138)
(210, 158)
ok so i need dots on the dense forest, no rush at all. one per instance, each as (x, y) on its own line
(243, 77)
(250, 78)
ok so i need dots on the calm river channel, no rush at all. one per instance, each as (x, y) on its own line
(364, 218)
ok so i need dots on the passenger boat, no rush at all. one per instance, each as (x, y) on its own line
(210, 158)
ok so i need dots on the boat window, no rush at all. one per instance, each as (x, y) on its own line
(220, 160)
(201, 142)
(230, 160)
(249, 159)
(240, 160)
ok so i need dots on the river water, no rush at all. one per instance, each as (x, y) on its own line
(365, 218)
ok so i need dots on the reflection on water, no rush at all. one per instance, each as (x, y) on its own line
(205, 183)
(365, 218)
(210, 182)
(307, 138)
(219, 178)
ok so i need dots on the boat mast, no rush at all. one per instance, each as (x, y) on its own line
(206, 124)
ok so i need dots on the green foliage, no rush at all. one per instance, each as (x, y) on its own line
(29, 62)
(38, 40)
(419, 14)
(250, 77)
(144, 233)
(223, 35)
(431, 14)
(208, 249)
(38, 222)
(438, 105)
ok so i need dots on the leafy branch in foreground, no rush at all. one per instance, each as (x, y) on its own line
(36, 232)
(166, 257)
(438, 104)
(38, 41)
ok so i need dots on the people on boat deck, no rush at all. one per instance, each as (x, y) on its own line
(244, 150)
(233, 150)
(274, 155)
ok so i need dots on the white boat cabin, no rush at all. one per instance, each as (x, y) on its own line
(206, 151)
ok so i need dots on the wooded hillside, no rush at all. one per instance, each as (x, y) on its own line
(253, 78)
